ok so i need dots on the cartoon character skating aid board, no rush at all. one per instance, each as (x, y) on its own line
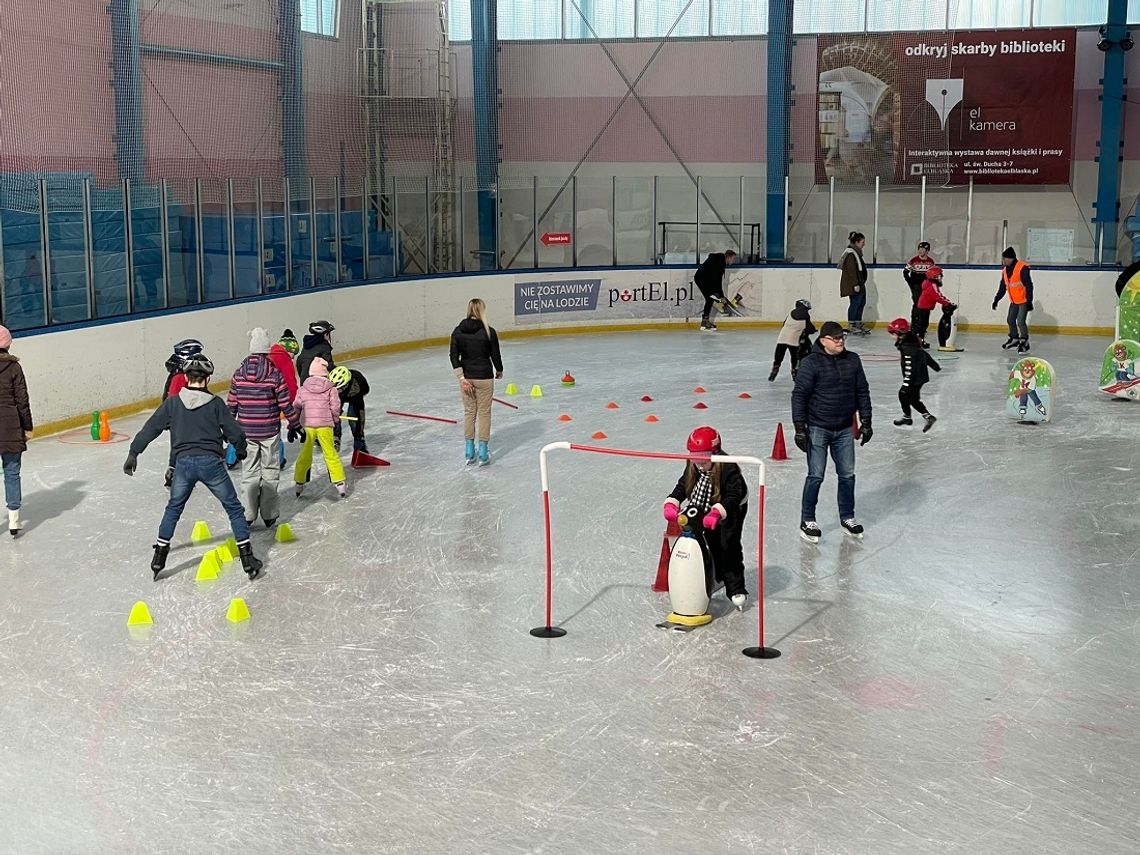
(1032, 391)
(1118, 374)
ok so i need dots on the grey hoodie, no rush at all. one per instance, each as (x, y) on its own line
(198, 420)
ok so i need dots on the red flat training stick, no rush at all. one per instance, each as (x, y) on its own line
(419, 416)
(505, 403)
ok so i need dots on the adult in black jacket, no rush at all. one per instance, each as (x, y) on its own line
(830, 388)
(710, 279)
(15, 427)
(317, 343)
(915, 362)
(477, 364)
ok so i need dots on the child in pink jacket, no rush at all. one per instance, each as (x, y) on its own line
(319, 403)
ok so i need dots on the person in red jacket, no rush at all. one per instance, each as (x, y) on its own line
(282, 353)
(915, 274)
(930, 297)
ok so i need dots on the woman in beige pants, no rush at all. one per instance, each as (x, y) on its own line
(477, 364)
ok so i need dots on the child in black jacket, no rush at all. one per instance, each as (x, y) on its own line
(914, 361)
(198, 420)
(718, 491)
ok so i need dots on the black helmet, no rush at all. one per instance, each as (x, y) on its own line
(199, 364)
(321, 327)
(187, 347)
(804, 304)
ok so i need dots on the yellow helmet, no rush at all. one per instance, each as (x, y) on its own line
(340, 376)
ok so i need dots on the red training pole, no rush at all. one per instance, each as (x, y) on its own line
(548, 631)
(760, 651)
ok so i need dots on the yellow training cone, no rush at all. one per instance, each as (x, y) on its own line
(224, 554)
(536, 391)
(238, 611)
(140, 615)
(208, 567)
(231, 544)
(284, 533)
(512, 389)
(200, 533)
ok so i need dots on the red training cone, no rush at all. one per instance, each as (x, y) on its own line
(700, 405)
(360, 460)
(661, 583)
(779, 450)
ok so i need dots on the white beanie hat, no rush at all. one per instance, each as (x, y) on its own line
(259, 340)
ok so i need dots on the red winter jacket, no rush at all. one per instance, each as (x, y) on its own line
(931, 296)
(284, 363)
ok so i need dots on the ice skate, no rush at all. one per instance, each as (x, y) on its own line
(249, 562)
(905, 421)
(930, 420)
(740, 601)
(708, 326)
(1021, 412)
(1041, 409)
(469, 451)
(852, 528)
(271, 522)
(484, 455)
(1009, 342)
(810, 532)
(158, 563)
(298, 489)
(14, 524)
(1023, 347)
(341, 489)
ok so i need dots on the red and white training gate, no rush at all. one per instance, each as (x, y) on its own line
(551, 631)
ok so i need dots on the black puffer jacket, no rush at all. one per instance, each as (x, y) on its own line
(830, 389)
(315, 345)
(915, 362)
(15, 411)
(475, 352)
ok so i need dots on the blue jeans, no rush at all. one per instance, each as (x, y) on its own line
(1016, 319)
(855, 307)
(211, 471)
(842, 445)
(12, 493)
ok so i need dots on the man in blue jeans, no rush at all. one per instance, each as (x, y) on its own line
(830, 388)
(198, 420)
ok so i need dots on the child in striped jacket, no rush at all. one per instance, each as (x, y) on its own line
(258, 398)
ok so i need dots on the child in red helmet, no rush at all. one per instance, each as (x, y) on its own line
(930, 297)
(719, 492)
(914, 361)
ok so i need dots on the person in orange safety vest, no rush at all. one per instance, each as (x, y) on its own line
(1016, 281)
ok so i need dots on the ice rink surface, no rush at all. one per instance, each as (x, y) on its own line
(965, 679)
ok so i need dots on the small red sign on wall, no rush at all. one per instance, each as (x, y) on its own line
(555, 238)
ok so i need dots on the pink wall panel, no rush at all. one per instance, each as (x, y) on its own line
(241, 34)
(210, 121)
(55, 115)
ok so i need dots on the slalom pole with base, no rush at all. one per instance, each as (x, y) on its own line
(760, 651)
(548, 631)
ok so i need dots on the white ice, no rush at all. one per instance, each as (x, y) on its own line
(964, 679)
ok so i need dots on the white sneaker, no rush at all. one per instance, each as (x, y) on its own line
(739, 600)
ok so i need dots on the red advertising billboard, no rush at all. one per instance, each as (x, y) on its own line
(995, 105)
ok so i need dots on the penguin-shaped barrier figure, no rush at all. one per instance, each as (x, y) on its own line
(689, 577)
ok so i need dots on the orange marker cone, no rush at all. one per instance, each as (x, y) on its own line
(598, 435)
(661, 583)
(700, 390)
(651, 418)
(360, 460)
(564, 418)
(700, 405)
(779, 450)
(612, 406)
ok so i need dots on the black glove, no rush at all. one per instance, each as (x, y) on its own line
(294, 434)
(994, 307)
(241, 455)
(1029, 306)
(866, 432)
(131, 465)
(802, 441)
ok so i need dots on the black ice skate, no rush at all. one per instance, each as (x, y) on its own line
(1009, 342)
(249, 562)
(810, 532)
(1023, 346)
(158, 563)
(930, 420)
(905, 421)
(852, 528)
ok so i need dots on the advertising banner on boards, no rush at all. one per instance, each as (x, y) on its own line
(995, 105)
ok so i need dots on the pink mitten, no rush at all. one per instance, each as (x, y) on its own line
(711, 519)
(670, 511)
